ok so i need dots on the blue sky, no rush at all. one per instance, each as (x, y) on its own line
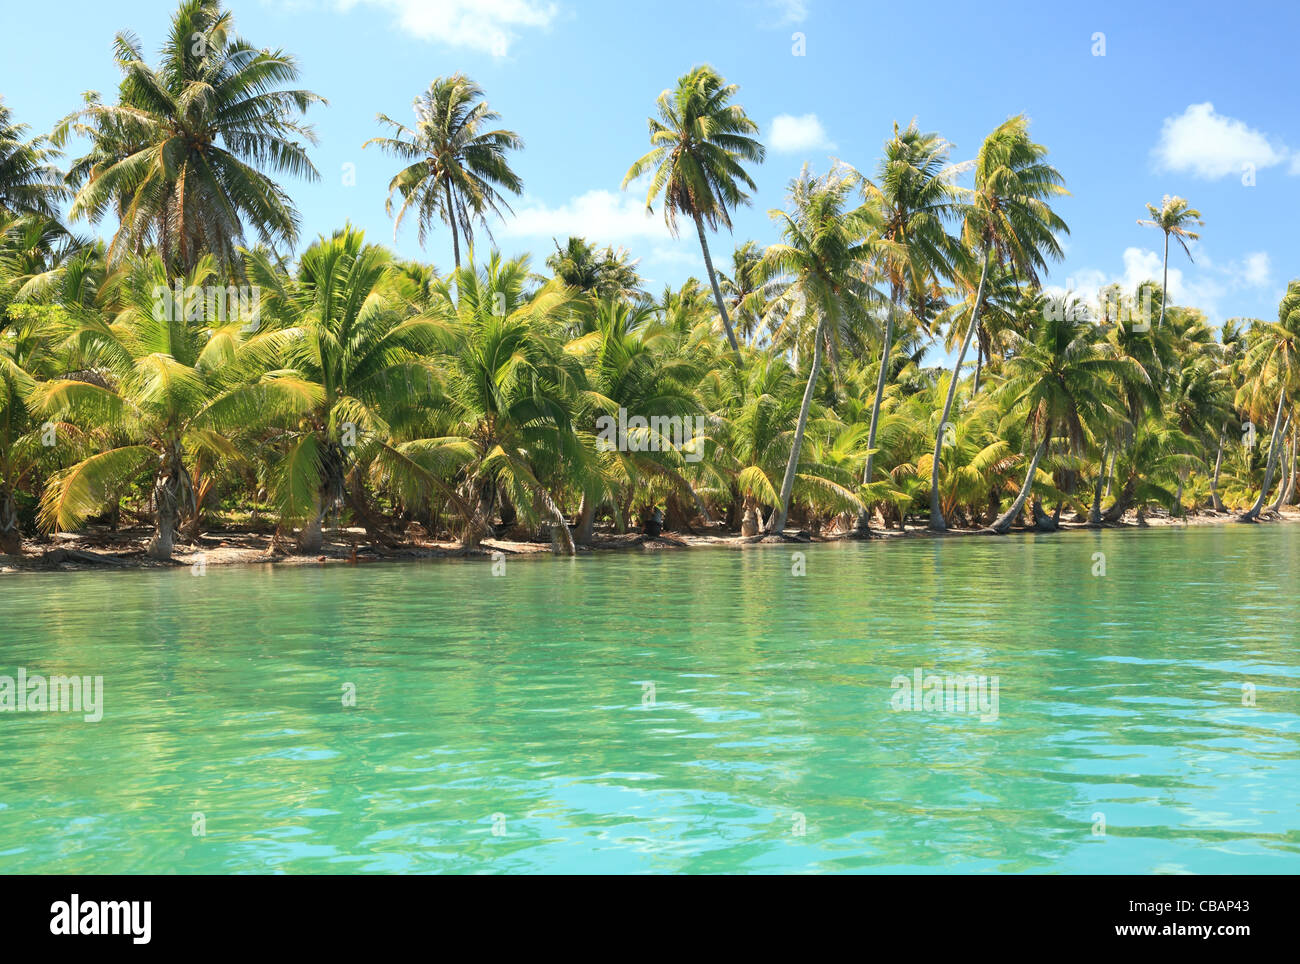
(1185, 100)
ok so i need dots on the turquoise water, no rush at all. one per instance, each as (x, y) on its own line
(702, 712)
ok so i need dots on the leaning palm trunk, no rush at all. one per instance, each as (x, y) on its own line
(1284, 469)
(1215, 501)
(1252, 514)
(936, 511)
(864, 516)
(776, 523)
(713, 280)
(1003, 523)
(1295, 451)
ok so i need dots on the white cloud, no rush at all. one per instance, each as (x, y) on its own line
(1201, 285)
(602, 217)
(484, 25)
(789, 134)
(790, 11)
(1256, 269)
(1211, 145)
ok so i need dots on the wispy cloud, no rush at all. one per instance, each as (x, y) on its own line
(489, 26)
(789, 11)
(600, 216)
(1211, 145)
(1203, 284)
(789, 134)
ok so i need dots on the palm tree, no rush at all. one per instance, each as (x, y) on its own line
(914, 195)
(158, 392)
(360, 363)
(747, 290)
(29, 183)
(1063, 381)
(1272, 366)
(700, 140)
(606, 273)
(1173, 218)
(180, 159)
(511, 392)
(823, 259)
(458, 166)
(1008, 220)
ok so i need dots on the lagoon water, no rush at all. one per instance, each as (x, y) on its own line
(704, 711)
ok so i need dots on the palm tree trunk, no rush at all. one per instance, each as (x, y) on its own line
(1094, 516)
(451, 219)
(1215, 501)
(1003, 524)
(1290, 486)
(586, 521)
(936, 512)
(1164, 284)
(864, 516)
(713, 280)
(1252, 514)
(11, 537)
(776, 523)
(979, 365)
(1284, 468)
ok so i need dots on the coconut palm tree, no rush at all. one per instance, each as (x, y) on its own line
(361, 361)
(606, 273)
(29, 181)
(914, 193)
(458, 165)
(1272, 367)
(158, 390)
(823, 260)
(510, 391)
(182, 158)
(700, 140)
(1006, 219)
(1063, 381)
(1173, 218)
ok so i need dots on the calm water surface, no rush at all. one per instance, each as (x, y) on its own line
(508, 723)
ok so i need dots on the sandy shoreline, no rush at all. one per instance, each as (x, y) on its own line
(105, 550)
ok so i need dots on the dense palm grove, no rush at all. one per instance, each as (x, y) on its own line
(194, 372)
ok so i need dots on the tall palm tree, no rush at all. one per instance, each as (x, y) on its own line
(182, 158)
(458, 168)
(1173, 218)
(914, 195)
(700, 140)
(823, 258)
(1006, 219)
(29, 182)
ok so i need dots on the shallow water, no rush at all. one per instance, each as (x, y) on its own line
(704, 711)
